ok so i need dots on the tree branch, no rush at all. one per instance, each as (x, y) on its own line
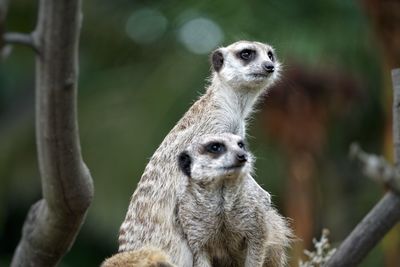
(53, 223)
(383, 216)
(20, 38)
(396, 116)
(12, 37)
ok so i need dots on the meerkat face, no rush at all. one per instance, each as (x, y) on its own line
(214, 157)
(246, 64)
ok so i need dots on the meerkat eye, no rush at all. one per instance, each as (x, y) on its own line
(216, 148)
(271, 55)
(241, 145)
(247, 54)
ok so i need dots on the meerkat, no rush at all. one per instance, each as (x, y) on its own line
(241, 72)
(145, 257)
(225, 218)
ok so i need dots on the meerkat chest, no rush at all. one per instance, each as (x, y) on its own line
(227, 248)
(221, 206)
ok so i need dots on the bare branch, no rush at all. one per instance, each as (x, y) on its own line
(376, 168)
(20, 38)
(396, 116)
(12, 37)
(53, 223)
(383, 216)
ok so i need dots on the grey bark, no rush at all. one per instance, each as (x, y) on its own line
(383, 216)
(396, 116)
(53, 222)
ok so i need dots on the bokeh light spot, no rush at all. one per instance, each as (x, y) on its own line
(201, 35)
(146, 26)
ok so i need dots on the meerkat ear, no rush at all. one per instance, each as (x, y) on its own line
(217, 60)
(185, 162)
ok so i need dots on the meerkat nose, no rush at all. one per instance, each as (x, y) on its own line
(241, 157)
(268, 67)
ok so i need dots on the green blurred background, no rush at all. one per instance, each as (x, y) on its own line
(142, 64)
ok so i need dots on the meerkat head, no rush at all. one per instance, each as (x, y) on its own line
(246, 64)
(215, 157)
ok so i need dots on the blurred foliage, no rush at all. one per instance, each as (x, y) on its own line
(131, 93)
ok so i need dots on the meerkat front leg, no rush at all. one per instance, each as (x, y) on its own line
(255, 255)
(254, 225)
(201, 259)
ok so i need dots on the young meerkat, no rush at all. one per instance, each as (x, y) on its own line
(241, 72)
(227, 221)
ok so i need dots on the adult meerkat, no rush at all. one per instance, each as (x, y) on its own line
(241, 72)
(227, 221)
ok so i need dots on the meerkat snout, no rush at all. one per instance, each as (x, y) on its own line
(268, 67)
(241, 157)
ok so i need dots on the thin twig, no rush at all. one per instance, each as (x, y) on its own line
(396, 116)
(20, 38)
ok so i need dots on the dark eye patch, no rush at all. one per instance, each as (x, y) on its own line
(271, 56)
(215, 148)
(241, 145)
(247, 54)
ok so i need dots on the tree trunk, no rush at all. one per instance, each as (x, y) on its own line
(53, 222)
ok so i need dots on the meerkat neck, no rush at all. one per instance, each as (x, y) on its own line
(217, 189)
(236, 100)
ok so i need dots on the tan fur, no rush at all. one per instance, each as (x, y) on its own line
(225, 107)
(146, 257)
